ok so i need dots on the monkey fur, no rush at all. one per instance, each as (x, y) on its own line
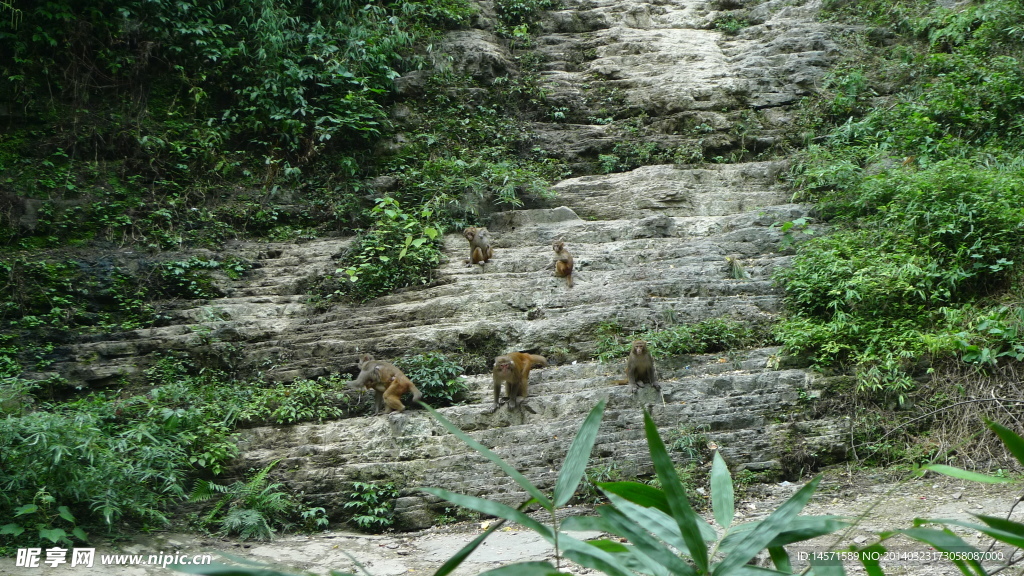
(387, 382)
(480, 251)
(563, 262)
(640, 368)
(513, 370)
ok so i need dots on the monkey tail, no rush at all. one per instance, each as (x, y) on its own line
(416, 394)
(538, 361)
(568, 280)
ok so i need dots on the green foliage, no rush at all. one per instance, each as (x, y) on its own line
(654, 531)
(945, 538)
(401, 250)
(921, 168)
(437, 377)
(706, 336)
(729, 24)
(254, 509)
(372, 505)
(45, 519)
(518, 17)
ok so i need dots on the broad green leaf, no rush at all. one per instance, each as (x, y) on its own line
(80, 534)
(1013, 442)
(514, 474)
(452, 563)
(12, 529)
(722, 501)
(646, 548)
(52, 534)
(683, 514)
(946, 542)
(964, 474)
(493, 508)
(26, 509)
(65, 513)
(525, 569)
(576, 459)
(777, 522)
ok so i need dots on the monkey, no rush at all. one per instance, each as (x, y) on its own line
(513, 369)
(480, 250)
(640, 368)
(563, 262)
(387, 382)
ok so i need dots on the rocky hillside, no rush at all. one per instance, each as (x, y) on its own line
(650, 247)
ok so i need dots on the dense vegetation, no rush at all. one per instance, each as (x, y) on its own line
(920, 169)
(169, 126)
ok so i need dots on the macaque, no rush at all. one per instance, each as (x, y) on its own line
(387, 382)
(640, 368)
(480, 250)
(563, 262)
(513, 369)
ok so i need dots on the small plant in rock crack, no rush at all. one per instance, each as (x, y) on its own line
(373, 505)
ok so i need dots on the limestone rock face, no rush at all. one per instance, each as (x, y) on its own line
(650, 247)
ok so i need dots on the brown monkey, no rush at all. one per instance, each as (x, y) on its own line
(513, 369)
(640, 368)
(480, 250)
(563, 262)
(387, 382)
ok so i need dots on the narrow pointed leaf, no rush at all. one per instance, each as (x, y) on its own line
(452, 563)
(1008, 537)
(647, 549)
(590, 556)
(493, 508)
(514, 474)
(964, 474)
(581, 523)
(525, 569)
(871, 558)
(642, 494)
(826, 568)
(1013, 442)
(579, 454)
(609, 546)
(780, 558)
(660, 524)
(947, 542)
(766, 531)
(722, 499)
(677, 501)
(1003, 524)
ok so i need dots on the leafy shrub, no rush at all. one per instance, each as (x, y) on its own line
(400, 251)
(372, 505)
(254, 509)
(706, 336)
(437, 377)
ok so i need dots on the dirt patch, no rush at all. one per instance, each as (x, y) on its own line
(881, 503)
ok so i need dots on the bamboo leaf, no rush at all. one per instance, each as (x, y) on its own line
(683, 514)
(576, 459)
(964, 474)
(514, 474)
(722, 498)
